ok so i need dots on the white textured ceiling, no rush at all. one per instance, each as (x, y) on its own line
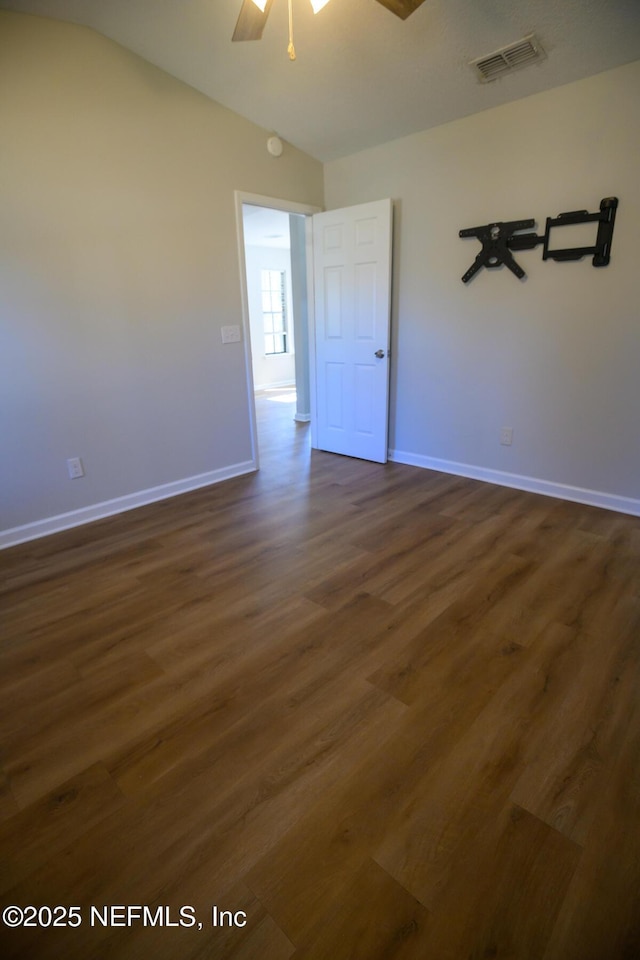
(362, 76)
(264, 227)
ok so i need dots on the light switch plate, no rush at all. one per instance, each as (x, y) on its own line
(231, 334)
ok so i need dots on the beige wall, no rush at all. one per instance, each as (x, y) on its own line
(118, 267)
(555, 357)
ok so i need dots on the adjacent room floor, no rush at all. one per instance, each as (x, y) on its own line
(332, 710)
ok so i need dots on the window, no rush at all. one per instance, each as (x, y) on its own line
(274, 311)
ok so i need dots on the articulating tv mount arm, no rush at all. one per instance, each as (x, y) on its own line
(499, 239)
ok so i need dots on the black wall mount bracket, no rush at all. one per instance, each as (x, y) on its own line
(500, 238)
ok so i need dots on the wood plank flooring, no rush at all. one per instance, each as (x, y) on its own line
(368, 711)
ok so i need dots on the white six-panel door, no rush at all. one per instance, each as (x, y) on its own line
(352, 290)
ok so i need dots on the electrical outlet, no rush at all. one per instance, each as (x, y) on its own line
(506, 436)
(75, 468)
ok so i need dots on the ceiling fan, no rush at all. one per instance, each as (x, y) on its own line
(254, 13)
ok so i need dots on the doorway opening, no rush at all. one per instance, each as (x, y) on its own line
(274, 260)
(342, 370)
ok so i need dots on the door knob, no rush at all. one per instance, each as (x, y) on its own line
(379, 354)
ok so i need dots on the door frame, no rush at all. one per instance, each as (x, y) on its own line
(286, 206)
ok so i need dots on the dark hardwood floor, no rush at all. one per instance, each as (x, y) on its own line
(368, 711)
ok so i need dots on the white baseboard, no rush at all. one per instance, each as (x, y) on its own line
(594, 498)
(302, 417)
(97, 511)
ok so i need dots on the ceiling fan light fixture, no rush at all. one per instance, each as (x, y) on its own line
(254, 13)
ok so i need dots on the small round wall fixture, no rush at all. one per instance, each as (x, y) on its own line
(275, 146)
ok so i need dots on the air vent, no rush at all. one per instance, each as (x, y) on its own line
(516, 55)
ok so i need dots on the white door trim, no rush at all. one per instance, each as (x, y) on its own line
(287, 206)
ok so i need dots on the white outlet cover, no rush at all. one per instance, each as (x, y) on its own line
(75, 468)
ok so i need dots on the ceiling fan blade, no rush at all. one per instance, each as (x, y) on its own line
(251, 21)
(402, 8)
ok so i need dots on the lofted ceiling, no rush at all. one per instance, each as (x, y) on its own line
(362, 75)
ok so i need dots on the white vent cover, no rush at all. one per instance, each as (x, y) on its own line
(516, 55)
